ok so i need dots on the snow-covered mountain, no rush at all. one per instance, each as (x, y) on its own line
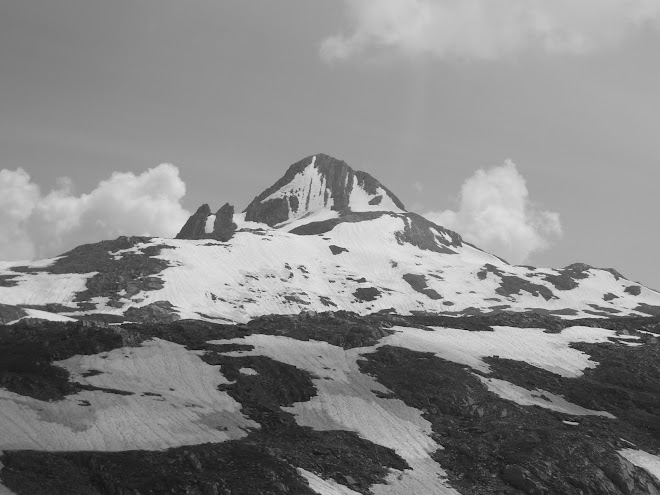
(325, 341)
(323, 237)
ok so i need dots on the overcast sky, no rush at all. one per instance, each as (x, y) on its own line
(529, 126)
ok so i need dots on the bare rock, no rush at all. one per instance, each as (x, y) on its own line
(195, 227)
(224, 226)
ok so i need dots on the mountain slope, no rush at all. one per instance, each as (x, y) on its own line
(323, 244)
(325, 341)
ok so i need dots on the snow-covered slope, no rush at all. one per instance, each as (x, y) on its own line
(316, 183)
(322, 238)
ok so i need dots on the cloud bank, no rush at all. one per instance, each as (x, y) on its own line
(496, 215)
(36, 225)
(488, 29)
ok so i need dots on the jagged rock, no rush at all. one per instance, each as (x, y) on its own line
(224, 226)
(195, 227)
(284, 200)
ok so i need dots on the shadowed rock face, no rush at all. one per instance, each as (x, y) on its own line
(196, 224)
(223, 226)
(339, 180)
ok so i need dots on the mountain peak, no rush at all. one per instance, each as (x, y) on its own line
(320, 183)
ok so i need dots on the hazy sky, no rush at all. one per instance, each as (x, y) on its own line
(557, 102)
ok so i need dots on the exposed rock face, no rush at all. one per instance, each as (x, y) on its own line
(9, 313)
(320, 182)
(196, 224)
(224, 226)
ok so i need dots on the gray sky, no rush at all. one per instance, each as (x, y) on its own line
(233, 92)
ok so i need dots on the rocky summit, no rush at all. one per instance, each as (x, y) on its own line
(323, 341)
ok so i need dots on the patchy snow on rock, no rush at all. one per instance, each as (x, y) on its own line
(157, 396)
(42, 315)
(549, 351)
(540, 398)
(248, 276)
(649, 462)
(361, 200)
(317, 216)
(310, 187)
(248, 371)
(346, 400)
(323, 487)
(208, 227)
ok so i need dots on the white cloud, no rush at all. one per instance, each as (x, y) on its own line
(496, 214)
(488, 29)
(33, 224)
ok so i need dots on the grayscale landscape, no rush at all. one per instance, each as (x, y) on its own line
(396, 247)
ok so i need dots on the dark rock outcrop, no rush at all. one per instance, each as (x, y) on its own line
(195, 227)
(224, 226)
(426, 235)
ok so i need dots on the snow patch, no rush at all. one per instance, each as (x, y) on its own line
(42, 315)
(359, 200)
(549, 351)
(537, 397)
(248, 371)
(208, 227)
(325, 487)
(173, 401)
(649, 462)
(346, 400)
(38, 289)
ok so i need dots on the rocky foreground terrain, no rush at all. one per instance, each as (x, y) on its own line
(334, 403)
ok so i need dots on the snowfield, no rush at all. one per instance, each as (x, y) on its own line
(152, 397)
(362, 267)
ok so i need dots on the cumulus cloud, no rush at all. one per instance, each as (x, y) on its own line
(35, 225)
(496, 214)
(488, 29)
